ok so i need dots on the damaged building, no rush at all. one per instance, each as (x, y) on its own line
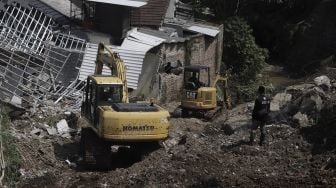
(48, 49)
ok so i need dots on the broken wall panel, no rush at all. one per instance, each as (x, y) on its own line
(35, 58)
(27, 27)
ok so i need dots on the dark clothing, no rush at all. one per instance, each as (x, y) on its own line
(193, 83)
(259, 117)
(261, 108)
(254, 127)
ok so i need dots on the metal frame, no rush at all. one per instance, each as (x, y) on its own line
(32, 56)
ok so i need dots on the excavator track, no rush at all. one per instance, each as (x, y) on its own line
(96, 153)
(220, 110)
(207, 115)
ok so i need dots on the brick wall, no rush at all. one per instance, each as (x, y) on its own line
(170, 89)
(198, 50)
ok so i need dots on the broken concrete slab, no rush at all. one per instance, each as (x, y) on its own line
(63, 128)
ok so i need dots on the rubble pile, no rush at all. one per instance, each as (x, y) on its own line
(301, 105)
(197, 153)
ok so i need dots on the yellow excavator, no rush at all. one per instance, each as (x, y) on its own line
(199, 97)
(108, 116)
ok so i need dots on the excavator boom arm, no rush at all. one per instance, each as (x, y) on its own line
(117, 66)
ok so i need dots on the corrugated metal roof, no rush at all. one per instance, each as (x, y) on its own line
(204, 30)
(132, 51)
(197, 27)
(130, 3)
(150, 15)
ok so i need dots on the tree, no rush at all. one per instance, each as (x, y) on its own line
(242, 56)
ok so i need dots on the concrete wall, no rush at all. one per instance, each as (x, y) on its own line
(148, 86)
(197, 50)
(171, 9)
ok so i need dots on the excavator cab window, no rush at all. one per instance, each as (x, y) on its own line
(196, 77)
(108, 94)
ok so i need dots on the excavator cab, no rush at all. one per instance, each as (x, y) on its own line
(199, 96)
(197, 93)
(196, 77)
(100, 91)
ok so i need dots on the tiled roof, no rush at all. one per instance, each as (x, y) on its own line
(150, 15)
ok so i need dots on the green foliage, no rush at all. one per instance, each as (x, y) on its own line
(242, 56)
(11, 153)
(248, 92)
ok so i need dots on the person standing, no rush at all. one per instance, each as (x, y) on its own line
(260, 115)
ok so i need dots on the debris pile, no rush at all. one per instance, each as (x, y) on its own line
(196, 154)
(301, 105)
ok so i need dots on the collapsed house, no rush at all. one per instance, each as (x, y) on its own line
(40, 60)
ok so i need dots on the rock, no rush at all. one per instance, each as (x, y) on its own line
(274, 106)
(323, 81)
(35, 131)
(312, 101)
(63, 128)
(301, 120)
(318, 102)
(297, 90)
(280, 100)
(52, 131)
(300, 87)
(174, 141)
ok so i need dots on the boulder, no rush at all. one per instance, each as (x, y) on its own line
(301, 120)
(280, 100)
(312, 101)
(297, 90)
(323, 81)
